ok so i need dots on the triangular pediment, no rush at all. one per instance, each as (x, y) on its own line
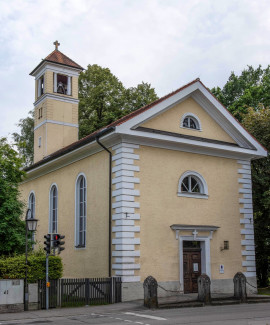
(172, 121)
(218, 128)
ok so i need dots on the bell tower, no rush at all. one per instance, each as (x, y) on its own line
(56, 103)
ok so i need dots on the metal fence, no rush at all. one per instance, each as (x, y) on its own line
(80, 292)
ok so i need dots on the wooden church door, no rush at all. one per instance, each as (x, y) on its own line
(192, 269)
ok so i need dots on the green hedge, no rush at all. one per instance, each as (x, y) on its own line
(14, 267)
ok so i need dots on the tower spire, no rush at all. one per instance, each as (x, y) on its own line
(56, 43)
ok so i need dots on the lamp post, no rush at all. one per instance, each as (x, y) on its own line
(30, 225)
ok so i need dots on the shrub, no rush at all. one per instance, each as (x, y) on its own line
(14, 267)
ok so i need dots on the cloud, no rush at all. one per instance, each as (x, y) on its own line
(166, 43)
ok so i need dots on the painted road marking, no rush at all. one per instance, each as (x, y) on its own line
(146, 316)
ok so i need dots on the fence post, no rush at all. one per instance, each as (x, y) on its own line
(87, 291)
(204, 292)
(150, 292)
(240, 291)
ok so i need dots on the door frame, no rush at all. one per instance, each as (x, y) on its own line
(205, 256)
(204, 244)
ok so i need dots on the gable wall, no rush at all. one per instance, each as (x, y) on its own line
(170, 121)
(93, 260)
(160, 207)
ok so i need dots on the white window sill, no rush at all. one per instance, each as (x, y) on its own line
(194, 195)
(80, 247)
(184, 127)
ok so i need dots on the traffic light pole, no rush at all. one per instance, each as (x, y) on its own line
(47, 280)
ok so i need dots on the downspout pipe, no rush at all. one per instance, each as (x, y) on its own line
(101, 133)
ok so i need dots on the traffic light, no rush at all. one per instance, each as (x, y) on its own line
(57, 243)
(47, 243)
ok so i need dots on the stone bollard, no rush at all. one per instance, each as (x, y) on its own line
(150, 292)
(240, 291)
(204, 292)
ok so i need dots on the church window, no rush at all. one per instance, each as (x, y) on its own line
(32, 207)
(62, 84)
(40, 111)
(53, 209)
(190, 121)
(32, 204)
(80, 211)
(192, 184)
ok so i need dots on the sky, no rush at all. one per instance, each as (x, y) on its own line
(163, 42)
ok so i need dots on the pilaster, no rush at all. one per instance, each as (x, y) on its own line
(126, 215)
(246, 221)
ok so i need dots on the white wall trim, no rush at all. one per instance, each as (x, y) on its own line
(245, 208)
(57, 97)
(125, 174)
(55, 122)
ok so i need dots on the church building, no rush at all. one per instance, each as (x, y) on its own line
(164, 191)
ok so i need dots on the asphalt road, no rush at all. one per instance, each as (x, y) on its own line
(253, 314)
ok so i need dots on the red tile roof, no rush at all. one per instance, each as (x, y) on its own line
(58, 57)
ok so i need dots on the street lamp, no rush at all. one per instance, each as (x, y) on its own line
(30, 225)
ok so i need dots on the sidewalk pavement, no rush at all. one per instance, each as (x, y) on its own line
(59, 312)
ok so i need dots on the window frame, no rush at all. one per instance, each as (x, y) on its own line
(51, 197)
(33, 215)
(78, 202)
(69, 83)
(201, 181)
(195, 119)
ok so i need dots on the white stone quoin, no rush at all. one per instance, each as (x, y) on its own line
(246, 221)
(126, 200)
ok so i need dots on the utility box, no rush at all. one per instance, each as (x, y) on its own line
(11, 292)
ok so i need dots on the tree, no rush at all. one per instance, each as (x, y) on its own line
(247, 97)
(136, 97)
(250, 89)
(258, 123)
(12, 228)
(101, 97)
(104, 99)
(25, 140)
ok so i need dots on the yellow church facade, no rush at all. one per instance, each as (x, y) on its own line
(165, 191)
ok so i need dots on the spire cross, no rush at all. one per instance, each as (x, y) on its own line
(56, 43)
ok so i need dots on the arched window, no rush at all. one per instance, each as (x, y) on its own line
(32, 204)
(32, 207)
(53, 209)
(192, 184)
(80, 211)
(190, 121)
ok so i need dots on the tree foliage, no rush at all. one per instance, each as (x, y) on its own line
(104, 99)
(257, 121)
(247, 97)
(250, 89)
(25, 139)
(12, 228)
